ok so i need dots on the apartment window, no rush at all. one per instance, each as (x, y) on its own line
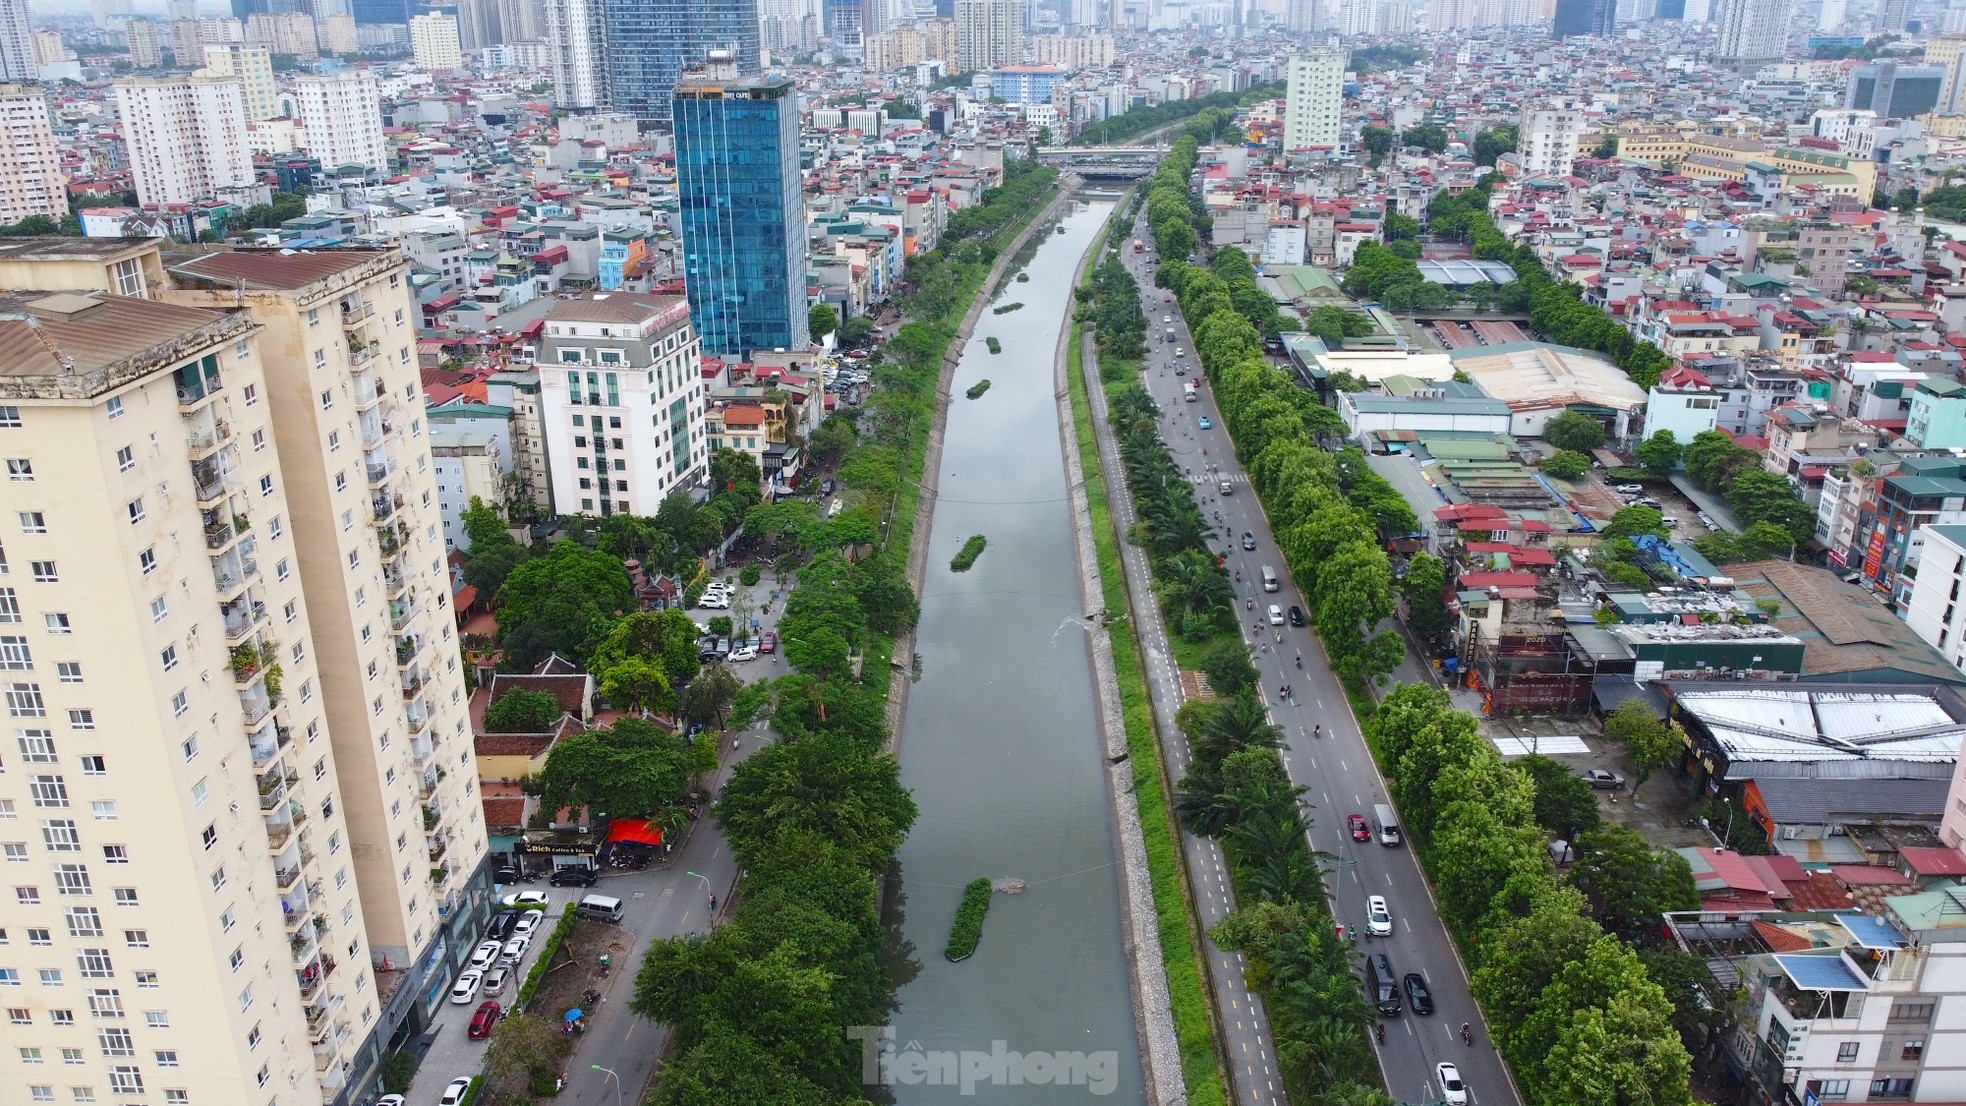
(125, 1080)
(1912, 1050)
(1833, 1089)
(19, 1015)
(56, 623)
(1911, 1012)
(115, 854)
(73, 879)
(280, 570)
(273, 524)
(82, 1095)
(166, 1057)
(15, 655)
(9, 977)
(126, 896)
(20, 468)
(126, 459)
(147, 980)
(177, 1098)
(115, 1041)
(83, 921)
(246, 999)
(50, 977)
(259, 440)
(94, 963)
(334, 441)
(291, 610)
(135, 510)
(159, 610)
(180, 703)
(228, 919)
(9, 605)
(128, 274)
(218, 878)
(30, 1055)
(168, 657)
(37, 747)
(10, 418)
(44, 572)
(40, 1092)
(59, 835)
(33, 522)
(147, 560)
(15, 852)
(341, 481)
(39, 938)
(69, 671)
(266, 488)
(105, 1002)
(238, 958)
(24, 701)
(251, 393)
(27, 896)
(48, 791)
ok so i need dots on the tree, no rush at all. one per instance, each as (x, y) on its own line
(664, 639)
(1574, 430)
(637, 685)
(631, 769)
(525, 1051)
(1634, 520)
(1659, 454)
(1607, 148)
(1628, 882)
(493, 551)
(1712, 458)
(710, 695)
(521, 711)
(1428, 136)
(821, 320)
(821, 652)
(857, 329)
(1226, 664)
(563, 602)
(1649, 742)
(1424, 587)
(1491, 144)
(1565, 806)
(1377, 140)
(824, 786)
(1757, 495)
(1567, 464)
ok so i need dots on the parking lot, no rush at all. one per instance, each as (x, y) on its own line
(452, 1053)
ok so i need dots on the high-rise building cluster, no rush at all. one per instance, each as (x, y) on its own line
(32, 183)
(627, 54)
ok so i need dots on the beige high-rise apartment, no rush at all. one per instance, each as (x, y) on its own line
(187, 139)
(252, 67)
(989, 33)
(434, 41)
(27, 146)
(239, 723)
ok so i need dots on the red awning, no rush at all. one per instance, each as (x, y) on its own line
(640, 830)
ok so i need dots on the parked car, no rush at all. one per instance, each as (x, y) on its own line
(507, 874)
(1418, 995)
(483, 1020)
(466, 987)
(1356, 824)
(527, 923)
(515, 949)
(1452, 1090)
(744, 653)
(454, 1093)
(1297, 615)
(574, 875)
(769, 642)
(1603, 780)
(528, 900)
(715, 601)
(485, 954)
(390, 1100)
(1378, 916)
(1248, 540)
(495, 981)
(1630, 489)
(501, 925)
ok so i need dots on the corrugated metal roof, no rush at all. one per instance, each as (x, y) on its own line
(46, 335)
(1803, 724)
(279, 270)
(1809, 802)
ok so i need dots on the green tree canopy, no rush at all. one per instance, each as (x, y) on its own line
(1567, 464)
(1574, 430)
(564, 602)
(522, 711)
(629, 770)
(821, 320)
(1659, 454)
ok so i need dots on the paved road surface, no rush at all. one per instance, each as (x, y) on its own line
(1336, 767)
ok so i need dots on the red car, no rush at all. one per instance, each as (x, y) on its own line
(482, 1022)
(1360, 831)
(768, 643)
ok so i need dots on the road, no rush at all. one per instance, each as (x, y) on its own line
(661, 902)
(1336, 768)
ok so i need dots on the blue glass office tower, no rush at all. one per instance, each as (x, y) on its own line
(650, 42)
(743, 213)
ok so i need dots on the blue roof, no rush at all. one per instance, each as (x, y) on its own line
(1871, 932)
(1822, 973)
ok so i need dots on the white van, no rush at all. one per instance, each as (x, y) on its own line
(1386, 823)
(1270, 579)
(601, 908)
(1188, 392)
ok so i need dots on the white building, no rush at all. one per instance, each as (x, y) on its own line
(434, 41)
(576, 34)
(1935, 613)
(1073, 51)
(469, 465)
(342, 114)
(621, 402)
(1750, 33)
(1549, 134)
(989, 33)
(251, 66)
(16, 42)
(1315, 93)
(33, 184)
(287, 33)
(1682, 402)
(187, 139)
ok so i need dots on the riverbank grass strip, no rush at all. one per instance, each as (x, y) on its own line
(968, 930)
(1179, 936)
(995, 346)
(977, 389)
(1006, 309)
(972, 549)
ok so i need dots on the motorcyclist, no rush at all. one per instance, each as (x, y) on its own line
(1467, 1034)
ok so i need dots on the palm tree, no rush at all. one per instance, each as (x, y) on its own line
(1241, 723)
(1191, 584)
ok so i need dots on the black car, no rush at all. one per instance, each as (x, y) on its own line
(501, 925)
(1248, 540)
(826, 487)
(574, 875)
(506, 874)
(1417, 995)
(1296, 615)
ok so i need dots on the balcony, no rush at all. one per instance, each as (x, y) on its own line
(401, 611)
(242, 617)
(372, 430)
(285, 878)
(254, 705)
(297, 812)
(277, 835)
(356, 312)
(272, 791)
(383, 507)
(201, 443)
(421, 750)
(223, 528)
(232, 575)
(378, 474)
(250, 662)
(197, 384)
(413, 683)
(407, 647)
(437, 849)
(416, 717)
(319, 1013)
(394, 579)
(212, 480)
(426, 789)
(359, 355)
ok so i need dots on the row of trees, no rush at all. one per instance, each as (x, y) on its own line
(1387, 275)
(1118, 322)
(1572, 1006)
(1753, 494)
(1219, 106)
(1238, 277)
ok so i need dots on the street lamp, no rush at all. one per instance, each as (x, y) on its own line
(708, 891)
(611, 1075)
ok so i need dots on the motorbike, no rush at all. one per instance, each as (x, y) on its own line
(1467, 1035)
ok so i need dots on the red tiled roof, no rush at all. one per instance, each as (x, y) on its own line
(1859, 875)
(1935, 862)
(511, 744)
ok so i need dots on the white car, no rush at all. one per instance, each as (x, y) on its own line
(455, 1092)
(1452, 1090)
(527, 900)
(743, 653)
(494, 983)
(527, 922)
(1276, 615)
(484, 954)
(390, 1100)
(466, 987)
(1378, 918)
(716, 601)
(515, 949)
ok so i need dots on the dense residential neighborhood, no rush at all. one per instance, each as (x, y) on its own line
(1454, 518)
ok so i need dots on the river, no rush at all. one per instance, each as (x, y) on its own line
(1001, 750)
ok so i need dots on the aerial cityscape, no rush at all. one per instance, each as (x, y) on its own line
(1318, 552)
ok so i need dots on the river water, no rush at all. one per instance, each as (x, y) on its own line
(1001, 749)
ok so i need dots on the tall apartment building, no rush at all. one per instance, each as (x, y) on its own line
(651, 42)
(1585, 17)
(621, 402)
(1073, 51)
(49, 47)
(337, 35)
(201, 802)
(16, 42)
(1314, 93)
(337, 335)
(577, 36)
(1549, 134)
(434, 42)
(1948, 52)
(742, 213)
(252, 67)
(989, 33)
(33, 186)
(1750, 33)
(187, 139)
(519, 391)
(1304, 16)
(342, 113)
(146, 48)
(844, 25)
(287, 33)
